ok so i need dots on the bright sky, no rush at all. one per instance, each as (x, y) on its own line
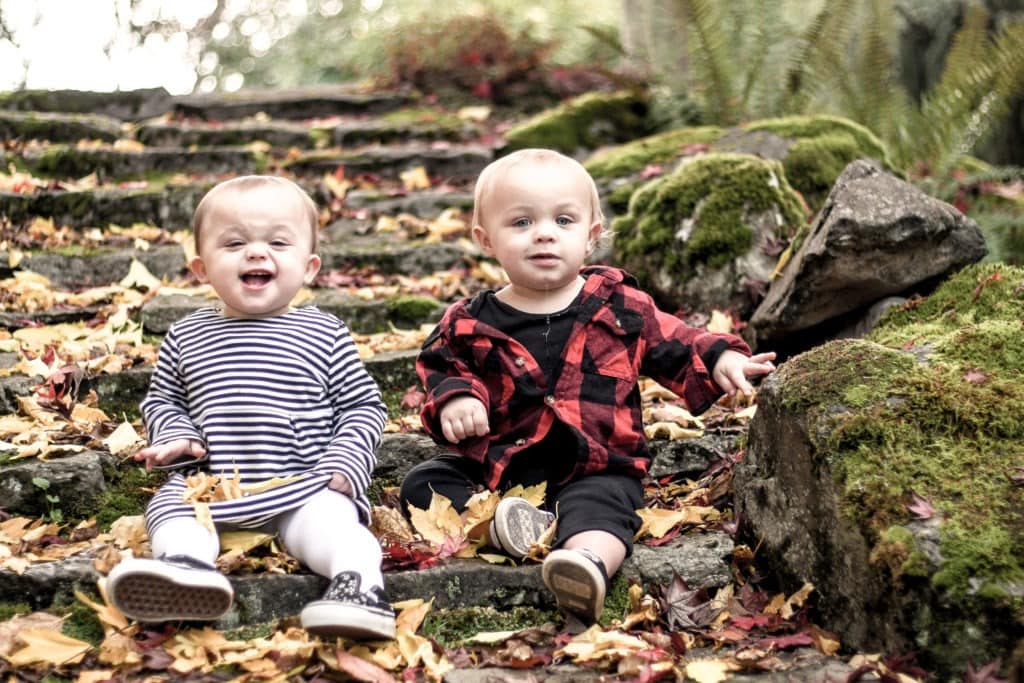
(63, 41)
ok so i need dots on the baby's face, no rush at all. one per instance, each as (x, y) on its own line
(537, 220)
(255, 248)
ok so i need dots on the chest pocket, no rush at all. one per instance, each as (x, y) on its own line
(611, 344)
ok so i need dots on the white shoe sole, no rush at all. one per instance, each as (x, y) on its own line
(151, 590)
(512, 516)
(576, 582)
(333, 619)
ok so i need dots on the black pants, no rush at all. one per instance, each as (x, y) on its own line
(600, 502)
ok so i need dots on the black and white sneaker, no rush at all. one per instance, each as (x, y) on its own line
(579, 581)
(347, 611)
(517, 525)
(169, 588)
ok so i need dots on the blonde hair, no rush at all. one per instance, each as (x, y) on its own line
(246, 183)
(492, 174)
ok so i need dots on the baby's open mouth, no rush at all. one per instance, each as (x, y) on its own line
(257, 278)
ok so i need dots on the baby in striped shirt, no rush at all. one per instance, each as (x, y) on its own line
(258, 391)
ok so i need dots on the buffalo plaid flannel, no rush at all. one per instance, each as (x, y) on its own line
(618, 335)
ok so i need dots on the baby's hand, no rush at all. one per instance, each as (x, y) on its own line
(340, 483)
(463, 417)
(168, 452)
(733, 368)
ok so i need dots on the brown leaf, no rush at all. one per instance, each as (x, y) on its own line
(921, 507)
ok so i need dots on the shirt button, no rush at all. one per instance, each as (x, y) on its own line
(549, 399)
(520, 361)
(520, 442)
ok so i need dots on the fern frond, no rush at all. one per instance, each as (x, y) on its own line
(711, 58)
(819, 54)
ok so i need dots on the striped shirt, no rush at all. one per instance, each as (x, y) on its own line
(285, 396)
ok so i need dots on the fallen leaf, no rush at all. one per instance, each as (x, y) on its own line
(48, 647)
(708, 670)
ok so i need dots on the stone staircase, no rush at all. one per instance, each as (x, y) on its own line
(146, 158)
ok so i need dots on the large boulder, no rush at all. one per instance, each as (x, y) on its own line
(708, 235)
(876, 236)
(889, 472)
(813, 150)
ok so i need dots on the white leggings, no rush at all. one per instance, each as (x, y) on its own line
(324, 534)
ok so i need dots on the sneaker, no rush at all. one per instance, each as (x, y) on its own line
(346, 611)
(517, 525)
(577, 578)
(168, 589)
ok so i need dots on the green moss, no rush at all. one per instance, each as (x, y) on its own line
(81, 622)
(823, 147)
(616, 601)
(251, 632)
(663, 148)
(709, 199)
(584, 122)
(452, 626)
(9, 610)
(126, 493)
(945, 427)
(412, 309)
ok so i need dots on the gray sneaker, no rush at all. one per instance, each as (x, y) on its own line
(517, 525)
(577, 578)
(169, 589)
(347, 611)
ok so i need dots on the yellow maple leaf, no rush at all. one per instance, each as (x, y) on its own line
(10, 628)
(438, 522)
(708, 670)
(243, 541)
(415, 178)
(123, 440)
(596, 644)
(47, 647)
(671, 431)
(139, 277)
(411, 614)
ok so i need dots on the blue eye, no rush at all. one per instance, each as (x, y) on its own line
(522, 222)
(564, 220)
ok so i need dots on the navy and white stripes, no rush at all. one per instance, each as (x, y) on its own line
(269, 397)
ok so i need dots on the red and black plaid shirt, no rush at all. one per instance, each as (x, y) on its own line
(618, 335)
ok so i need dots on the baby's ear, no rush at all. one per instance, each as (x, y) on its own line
(482, 240)
(198, 269)
(312, 268)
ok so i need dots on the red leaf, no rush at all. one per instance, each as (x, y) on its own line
(361, 669)
(413, 398)
(975, 376)
(921, 507)
(483, 90)
(652, 170)
(986, 674)
(756, 621)
(996, 276)
(786, 642)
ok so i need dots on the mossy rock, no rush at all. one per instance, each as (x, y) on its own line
(696, 236)
(820, 148)
(583, 123)
(928, 407)
(813, 150)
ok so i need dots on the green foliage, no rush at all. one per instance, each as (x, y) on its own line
(844, 60)
(585, 122)
(53, 513)
(452, 626)
(468, 53)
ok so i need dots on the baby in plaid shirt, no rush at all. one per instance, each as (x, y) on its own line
(537, 382)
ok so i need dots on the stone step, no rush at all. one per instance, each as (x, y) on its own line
(110, 164)
(58, 127)
(294, 103)
(170, 205)
(402, 125)
(167, 206)
(458, 163)
(382, 252)
(701, 559)
(126, 105)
